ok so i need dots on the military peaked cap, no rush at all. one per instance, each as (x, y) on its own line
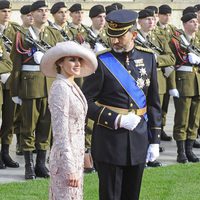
(120, 21)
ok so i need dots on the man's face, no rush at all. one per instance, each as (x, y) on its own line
(77, 17)
(191, 25)
(5, 15)
(40, 16)
(27, 19)
(147, 24)
(99, 21)
(123, 43)
(61, 16)
(164, 18)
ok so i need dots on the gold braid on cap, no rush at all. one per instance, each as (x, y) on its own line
(113, 26)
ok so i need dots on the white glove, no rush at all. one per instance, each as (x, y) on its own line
(17, 100)
(129, 121)
(193, 59)
(98, 47)
(156, 57)
(38, 56)
(168, 71)
(174, 93)
(152, 152)
(4, 77)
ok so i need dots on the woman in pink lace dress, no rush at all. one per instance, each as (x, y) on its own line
(68, 107)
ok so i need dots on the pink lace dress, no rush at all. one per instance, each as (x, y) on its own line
(68, 109)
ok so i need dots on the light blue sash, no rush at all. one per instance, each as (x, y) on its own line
(125, 79)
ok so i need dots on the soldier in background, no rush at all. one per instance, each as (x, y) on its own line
(97, 15)
(30, 87)
(167, 30)
(197, 7)
(79, 30)
(6, 66)
(112, 7)
(160, 47)
(155, 11)
(8, 29)
(26, 16)
(187, 106)
(27, 21)
(59, 12)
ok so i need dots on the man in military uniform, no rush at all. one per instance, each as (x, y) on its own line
(6, 66)
(119, 101)
(167, 30)
(30, 88)
(162, 52)
(155, 11)
(97, 14)
(8, 29)
(79, 30)
(27, 21)
(59, 12)
(187, 106)
(26, 16)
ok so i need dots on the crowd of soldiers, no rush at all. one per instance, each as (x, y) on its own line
(24, 89)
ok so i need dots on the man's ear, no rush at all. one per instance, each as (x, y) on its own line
(134, 35)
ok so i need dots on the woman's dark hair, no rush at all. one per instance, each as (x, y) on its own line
(58, 68)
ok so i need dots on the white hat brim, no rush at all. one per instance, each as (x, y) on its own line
(68, 48)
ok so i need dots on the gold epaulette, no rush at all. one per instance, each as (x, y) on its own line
(144, 49)
(103, 51)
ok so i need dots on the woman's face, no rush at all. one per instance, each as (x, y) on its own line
(71, 66)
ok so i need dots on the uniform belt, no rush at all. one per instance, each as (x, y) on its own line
(187, 68)
(31, 68)
(124, 111)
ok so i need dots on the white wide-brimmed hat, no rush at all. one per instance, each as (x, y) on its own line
(68, 48)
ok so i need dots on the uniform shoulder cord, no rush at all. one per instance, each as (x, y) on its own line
(179, 51)
(20, 49)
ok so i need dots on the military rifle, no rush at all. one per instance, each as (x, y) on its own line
(140, 40)
(92, 39)
(40, 45)
(7, 42)
(186, 45)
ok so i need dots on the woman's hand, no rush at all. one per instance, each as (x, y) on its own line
(73, 180)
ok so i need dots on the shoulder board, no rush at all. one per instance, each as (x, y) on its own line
(143, 49)
(103, 51)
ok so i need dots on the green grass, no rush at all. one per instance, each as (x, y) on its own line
(177, 182)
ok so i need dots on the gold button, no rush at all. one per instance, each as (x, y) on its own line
(109, 114)
(106, 122)
(129, 71)
(131, 104)
(158, 136)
